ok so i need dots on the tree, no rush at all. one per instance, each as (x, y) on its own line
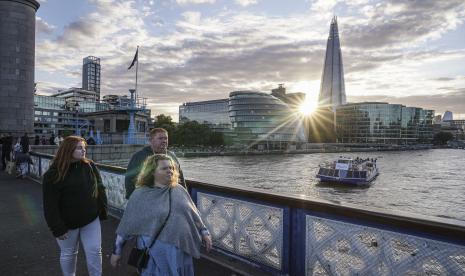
(167, 123)
(441, 138)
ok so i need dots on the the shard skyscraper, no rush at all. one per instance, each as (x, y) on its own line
(332, 90)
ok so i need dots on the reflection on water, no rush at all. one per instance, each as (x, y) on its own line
(429, 182)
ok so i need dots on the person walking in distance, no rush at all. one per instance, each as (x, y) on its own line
(74, 202)
(7, 147)
(158, 145)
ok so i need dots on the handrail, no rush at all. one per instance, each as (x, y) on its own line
(442, 227)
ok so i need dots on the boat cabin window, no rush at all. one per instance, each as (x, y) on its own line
(344, 161)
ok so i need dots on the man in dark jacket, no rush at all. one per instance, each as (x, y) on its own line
(158, 144)
(25, 143)
(7, 146)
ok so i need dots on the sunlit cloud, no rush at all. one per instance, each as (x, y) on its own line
(202, 56)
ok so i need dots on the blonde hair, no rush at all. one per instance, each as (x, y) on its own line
(64, 156)
(146, 176)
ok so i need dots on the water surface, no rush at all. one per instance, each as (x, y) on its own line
(428, 182)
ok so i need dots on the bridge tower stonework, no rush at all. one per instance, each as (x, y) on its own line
(17, 54)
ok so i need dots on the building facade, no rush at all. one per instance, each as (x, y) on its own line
(255, 119)
(17, 54)
(66, 113)
(383, 123)
(264, 121)
(213, 113)
(293, 100)
(91, 74)
(332, 89)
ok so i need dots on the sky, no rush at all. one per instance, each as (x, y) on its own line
(408, 52)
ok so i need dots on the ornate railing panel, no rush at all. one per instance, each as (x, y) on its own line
(44, 165)
(247, 229)
(34, 168)
(115, 189)
(340, 248)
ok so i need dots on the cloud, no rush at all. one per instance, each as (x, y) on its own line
(194, 2)
(204, 57)
(44, 27)
(246, 3)
(401, 23)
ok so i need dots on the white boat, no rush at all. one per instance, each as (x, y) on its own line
(350, 171)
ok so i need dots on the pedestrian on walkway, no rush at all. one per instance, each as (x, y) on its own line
(23, 159)
(36, 140)
(25, 142)
(158, 145)
(51, 140)
(162, 217)
(74, 198)
(7, 146)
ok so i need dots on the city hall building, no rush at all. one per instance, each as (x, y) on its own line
(251, 118)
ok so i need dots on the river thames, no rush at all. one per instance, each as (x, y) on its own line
(427, 182)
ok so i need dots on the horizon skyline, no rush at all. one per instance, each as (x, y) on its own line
(195, 50)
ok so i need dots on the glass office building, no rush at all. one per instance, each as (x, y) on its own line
(213, 113)
(91, 74)
(376, 122)
(53, 115)
(257, 119)
(262, 119)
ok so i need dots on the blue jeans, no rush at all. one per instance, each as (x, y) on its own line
(91, 239)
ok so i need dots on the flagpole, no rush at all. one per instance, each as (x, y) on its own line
(137, 69)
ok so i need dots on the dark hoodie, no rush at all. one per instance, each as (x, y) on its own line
(70, 204)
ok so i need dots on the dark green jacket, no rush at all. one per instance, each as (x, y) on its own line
(135, 166)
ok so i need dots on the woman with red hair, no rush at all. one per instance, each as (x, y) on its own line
(74, 199)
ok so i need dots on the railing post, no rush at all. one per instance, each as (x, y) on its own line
(40, 167)
(298, 243)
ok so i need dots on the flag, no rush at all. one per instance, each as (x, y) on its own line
(135, 58)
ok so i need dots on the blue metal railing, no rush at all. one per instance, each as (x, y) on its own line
(289, 235)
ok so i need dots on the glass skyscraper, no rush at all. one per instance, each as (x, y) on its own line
(91, 74)
(332, 90)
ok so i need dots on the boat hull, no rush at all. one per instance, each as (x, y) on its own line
(348, 181)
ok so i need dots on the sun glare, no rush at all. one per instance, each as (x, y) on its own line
(307, 107)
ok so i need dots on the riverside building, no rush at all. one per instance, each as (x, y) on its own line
(383, 123)
(251, 118)
(213, 113)
(70, 113)
(91, 74)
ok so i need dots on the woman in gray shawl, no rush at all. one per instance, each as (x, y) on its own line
(146, 211)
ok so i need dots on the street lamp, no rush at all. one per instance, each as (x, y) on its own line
(78, 130)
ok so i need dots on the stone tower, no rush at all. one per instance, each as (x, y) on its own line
(332, 90)
(17, 53)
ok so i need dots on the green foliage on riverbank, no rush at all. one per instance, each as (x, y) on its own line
(190, 133)
(441, 138)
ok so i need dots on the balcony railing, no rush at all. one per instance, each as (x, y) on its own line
(290, 235)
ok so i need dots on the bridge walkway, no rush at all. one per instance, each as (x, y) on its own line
(27, 247)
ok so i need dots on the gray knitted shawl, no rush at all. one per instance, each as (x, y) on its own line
(147, 209)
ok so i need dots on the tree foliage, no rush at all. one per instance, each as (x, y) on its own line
(442, 137)
(190, 133)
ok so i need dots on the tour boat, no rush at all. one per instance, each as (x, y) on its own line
(349, 171)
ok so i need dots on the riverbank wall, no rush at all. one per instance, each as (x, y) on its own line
(116, 153)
